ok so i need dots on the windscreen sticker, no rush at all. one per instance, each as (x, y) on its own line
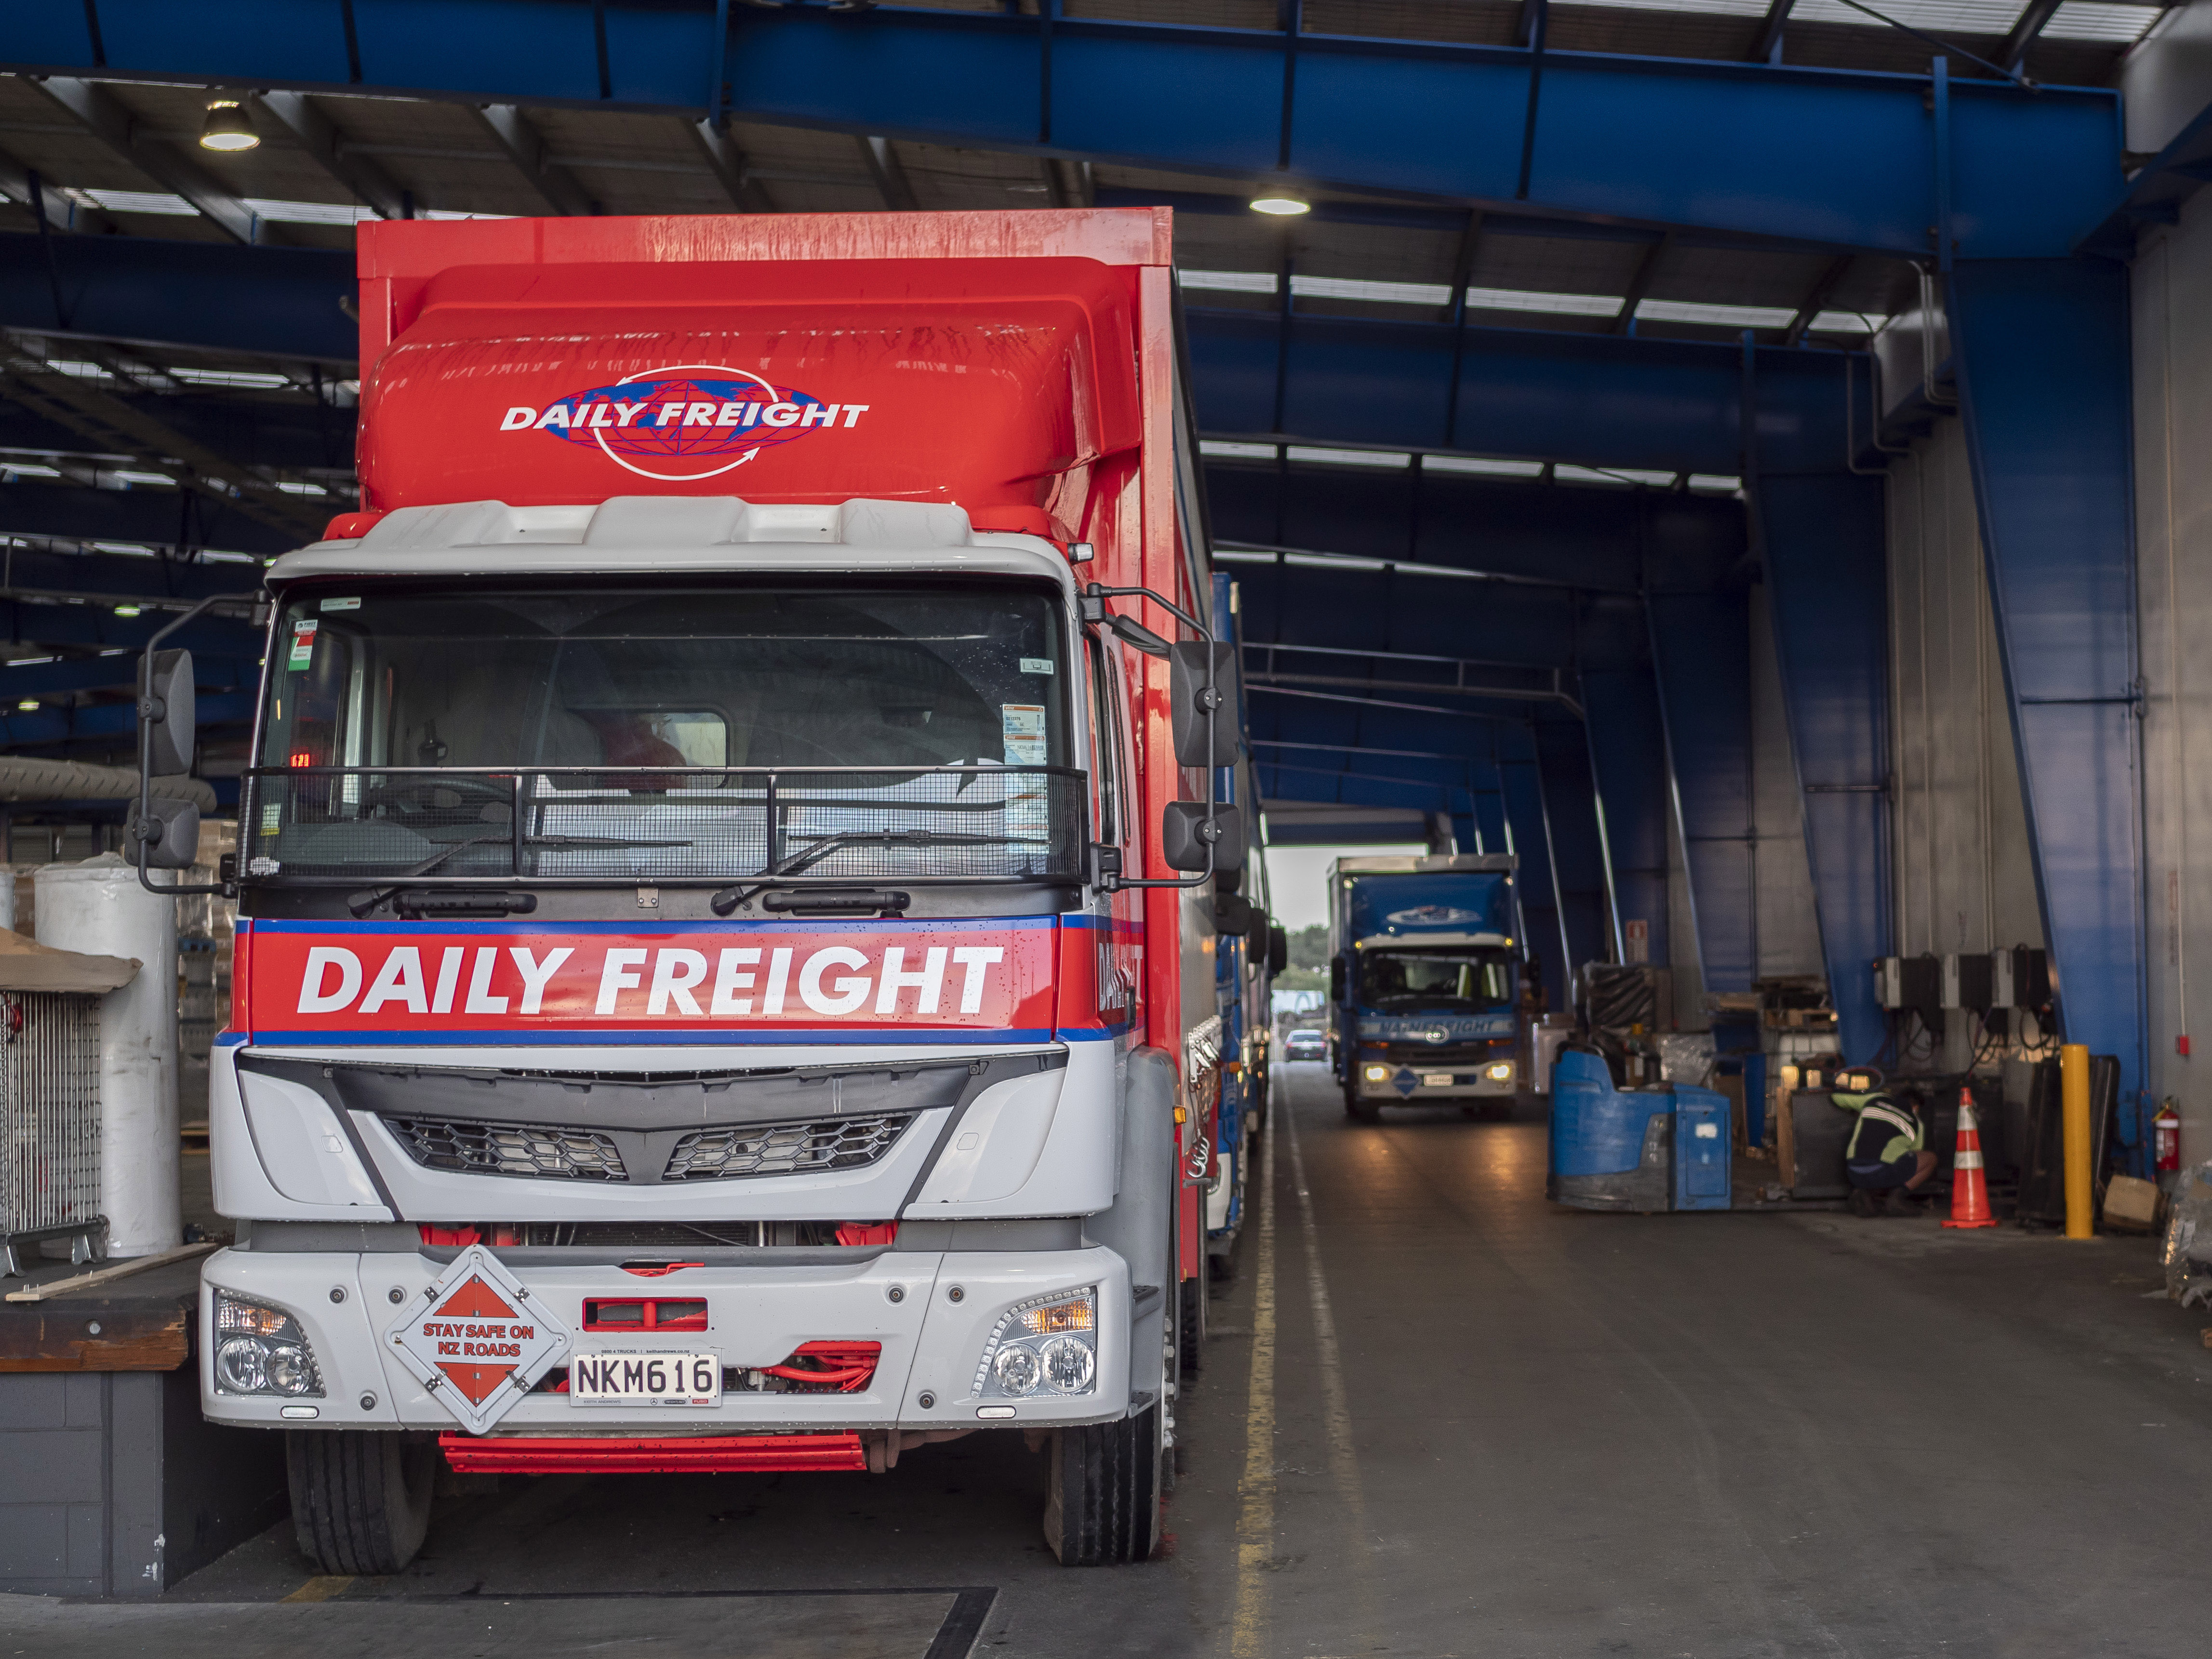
(1022, 726)
(1037, 665)
(353, 603)
(303, 643)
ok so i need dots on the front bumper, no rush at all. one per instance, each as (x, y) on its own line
(932, 1343)
(1410, 1080)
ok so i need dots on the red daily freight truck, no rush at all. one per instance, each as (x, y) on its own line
(726, 878)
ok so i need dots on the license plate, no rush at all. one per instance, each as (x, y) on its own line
(1437, 1079)
(646, 1379)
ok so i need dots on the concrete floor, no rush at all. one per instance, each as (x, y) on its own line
(1440, 1417)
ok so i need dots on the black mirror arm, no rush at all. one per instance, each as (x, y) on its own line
(1095, 596)
(147, 712)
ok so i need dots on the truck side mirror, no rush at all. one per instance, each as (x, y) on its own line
(1257, 932)
(168, 716)
(1187, 698)
(1184, 840)
(1337, 977)
(170, 834)
(1278, 948)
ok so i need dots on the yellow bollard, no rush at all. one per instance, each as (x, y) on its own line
(2074, 1101)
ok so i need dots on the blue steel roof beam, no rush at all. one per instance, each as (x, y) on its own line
(96, 626)
(50, 727)
(120, 673)
(264, 301)
(118, 578)
(1849, 159)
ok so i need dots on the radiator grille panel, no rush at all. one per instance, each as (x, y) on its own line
(509, 1149)
(771, 1149)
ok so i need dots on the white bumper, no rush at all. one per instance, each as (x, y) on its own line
(933, 1344)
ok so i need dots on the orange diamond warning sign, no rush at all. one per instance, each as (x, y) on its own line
(476, 1340)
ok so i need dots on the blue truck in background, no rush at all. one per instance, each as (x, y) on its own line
(1426, 968)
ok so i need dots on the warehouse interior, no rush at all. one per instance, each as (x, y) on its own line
(1733, 455)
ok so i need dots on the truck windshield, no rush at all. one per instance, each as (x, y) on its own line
(665, 733)
(1435, 982)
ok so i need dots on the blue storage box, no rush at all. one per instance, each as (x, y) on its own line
(1649, 1150)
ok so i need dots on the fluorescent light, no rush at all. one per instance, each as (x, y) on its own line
(292, 487)
(451, 213)
(1229, 282)
(1564, 304)
(31, 662)
(246, 379)
(1221, 448)
(2124, 24)
(127, 611)
(1400, 293)
(308, 213)
(27, 705)
(142, 478)
(1680, 310)
(1714, 484)
(141, 201)
(1282, 207)
(77, 371)
(1562, 473)
(130, 549)
(217, 555)
(1484, 464)
(1375, 457)
(27, 470)
(1846, 322)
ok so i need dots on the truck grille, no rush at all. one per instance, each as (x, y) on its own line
(771, 1148)
(509, 1149)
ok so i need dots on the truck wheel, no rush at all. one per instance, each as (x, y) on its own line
(1102, 1491)
(360, 1500)
(1355, 1105)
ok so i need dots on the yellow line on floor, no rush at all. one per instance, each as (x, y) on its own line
(1255, 1490)
(1343, 1462)
(320, 1589)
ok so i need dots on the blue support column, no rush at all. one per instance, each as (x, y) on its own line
(1588, 922)
(1827, 574)
(1543, 912)
(1628, 762)
(1701, 653)
(2041, 349)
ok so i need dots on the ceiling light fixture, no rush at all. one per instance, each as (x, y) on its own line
(27, 705)
(126, 610)
(225, 127)
(1283, 207)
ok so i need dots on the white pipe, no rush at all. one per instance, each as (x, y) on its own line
(97, 908)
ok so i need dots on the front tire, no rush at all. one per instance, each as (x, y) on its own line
(1357, 1106)
(360, 1500)
(1102, 1491)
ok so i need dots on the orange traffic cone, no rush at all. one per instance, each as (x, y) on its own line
(1970, 1187)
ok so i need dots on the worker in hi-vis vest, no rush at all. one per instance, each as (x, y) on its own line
(1886, 1156)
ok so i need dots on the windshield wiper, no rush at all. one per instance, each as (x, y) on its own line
(731, 897)
(360, 906)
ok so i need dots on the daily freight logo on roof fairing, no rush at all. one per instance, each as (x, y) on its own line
(685, 422)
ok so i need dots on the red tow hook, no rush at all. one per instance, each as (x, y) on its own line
(657, 1269)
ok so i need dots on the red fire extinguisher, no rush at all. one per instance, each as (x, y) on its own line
(2165, 1137)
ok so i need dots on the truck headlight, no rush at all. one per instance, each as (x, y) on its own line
(1375, 1074)
(1045, 1347)
(262, 1351)
(1501, 1073)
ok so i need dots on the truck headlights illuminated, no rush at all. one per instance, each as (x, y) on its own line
(261, 1350)
(1501, 1073)
(1375, 1074)
(1043, 1348)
